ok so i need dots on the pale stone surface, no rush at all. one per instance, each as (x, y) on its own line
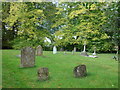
(27, 57)
(72, 52)
(39, 51)
(43, 73)
(74, 49)
(80, 71)
(84, 54)
(18, 56)
(92, 56)
(54, 50)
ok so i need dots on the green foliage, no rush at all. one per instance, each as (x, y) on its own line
(32, 22)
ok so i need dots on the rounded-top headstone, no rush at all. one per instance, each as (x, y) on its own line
(39, 51)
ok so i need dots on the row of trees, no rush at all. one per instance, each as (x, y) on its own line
(66, 24)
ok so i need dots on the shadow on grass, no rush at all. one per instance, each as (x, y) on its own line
(40, 81)
(27, 67)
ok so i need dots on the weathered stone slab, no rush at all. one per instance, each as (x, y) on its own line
(80, 71)
(39, 51)
(27, 57)
(43, 74)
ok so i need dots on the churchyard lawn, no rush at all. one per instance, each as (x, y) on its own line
(102, 72)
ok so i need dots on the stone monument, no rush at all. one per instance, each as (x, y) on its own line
(84, 53)
(80, 71)
(27, 57)
(54, 50)
(39, 51)
(43, 74)
(94, 54)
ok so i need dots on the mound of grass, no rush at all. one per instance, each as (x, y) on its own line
(102, 71)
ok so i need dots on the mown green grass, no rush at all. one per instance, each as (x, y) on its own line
(102, 71)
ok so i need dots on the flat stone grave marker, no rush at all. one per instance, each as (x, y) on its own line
(39, 51)
(43, 74)
(27, 57)
(80, 71)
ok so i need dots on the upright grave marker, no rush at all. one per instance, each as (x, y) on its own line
(39, 50)
(94, 54)
(54, 50)
(27, 57)
(84, 53)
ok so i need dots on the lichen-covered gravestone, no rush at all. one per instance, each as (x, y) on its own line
(27, 57)
(43, 74)
(80, 71)
(39, 51)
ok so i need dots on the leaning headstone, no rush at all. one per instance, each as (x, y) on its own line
(27, 57)
(80, 71)
(43, 74)
(39, 51)
(54, 50)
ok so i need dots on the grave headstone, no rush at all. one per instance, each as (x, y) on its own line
(65, 52)
(39, 51)
(84, 53)
(61, 49)
(74, 49)
(80, 71)
(54, 50)
(94, 54)
(43, 74)
(72, 52)
(27, 57)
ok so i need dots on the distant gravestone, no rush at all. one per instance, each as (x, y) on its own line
(39, 51)
(72, 52)
(54, 50)
(84, 53)
(27, 57)
(65, 52)
(43, 74)
(61, 49)
(75, 49)
(94, 54)
(80, 71)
